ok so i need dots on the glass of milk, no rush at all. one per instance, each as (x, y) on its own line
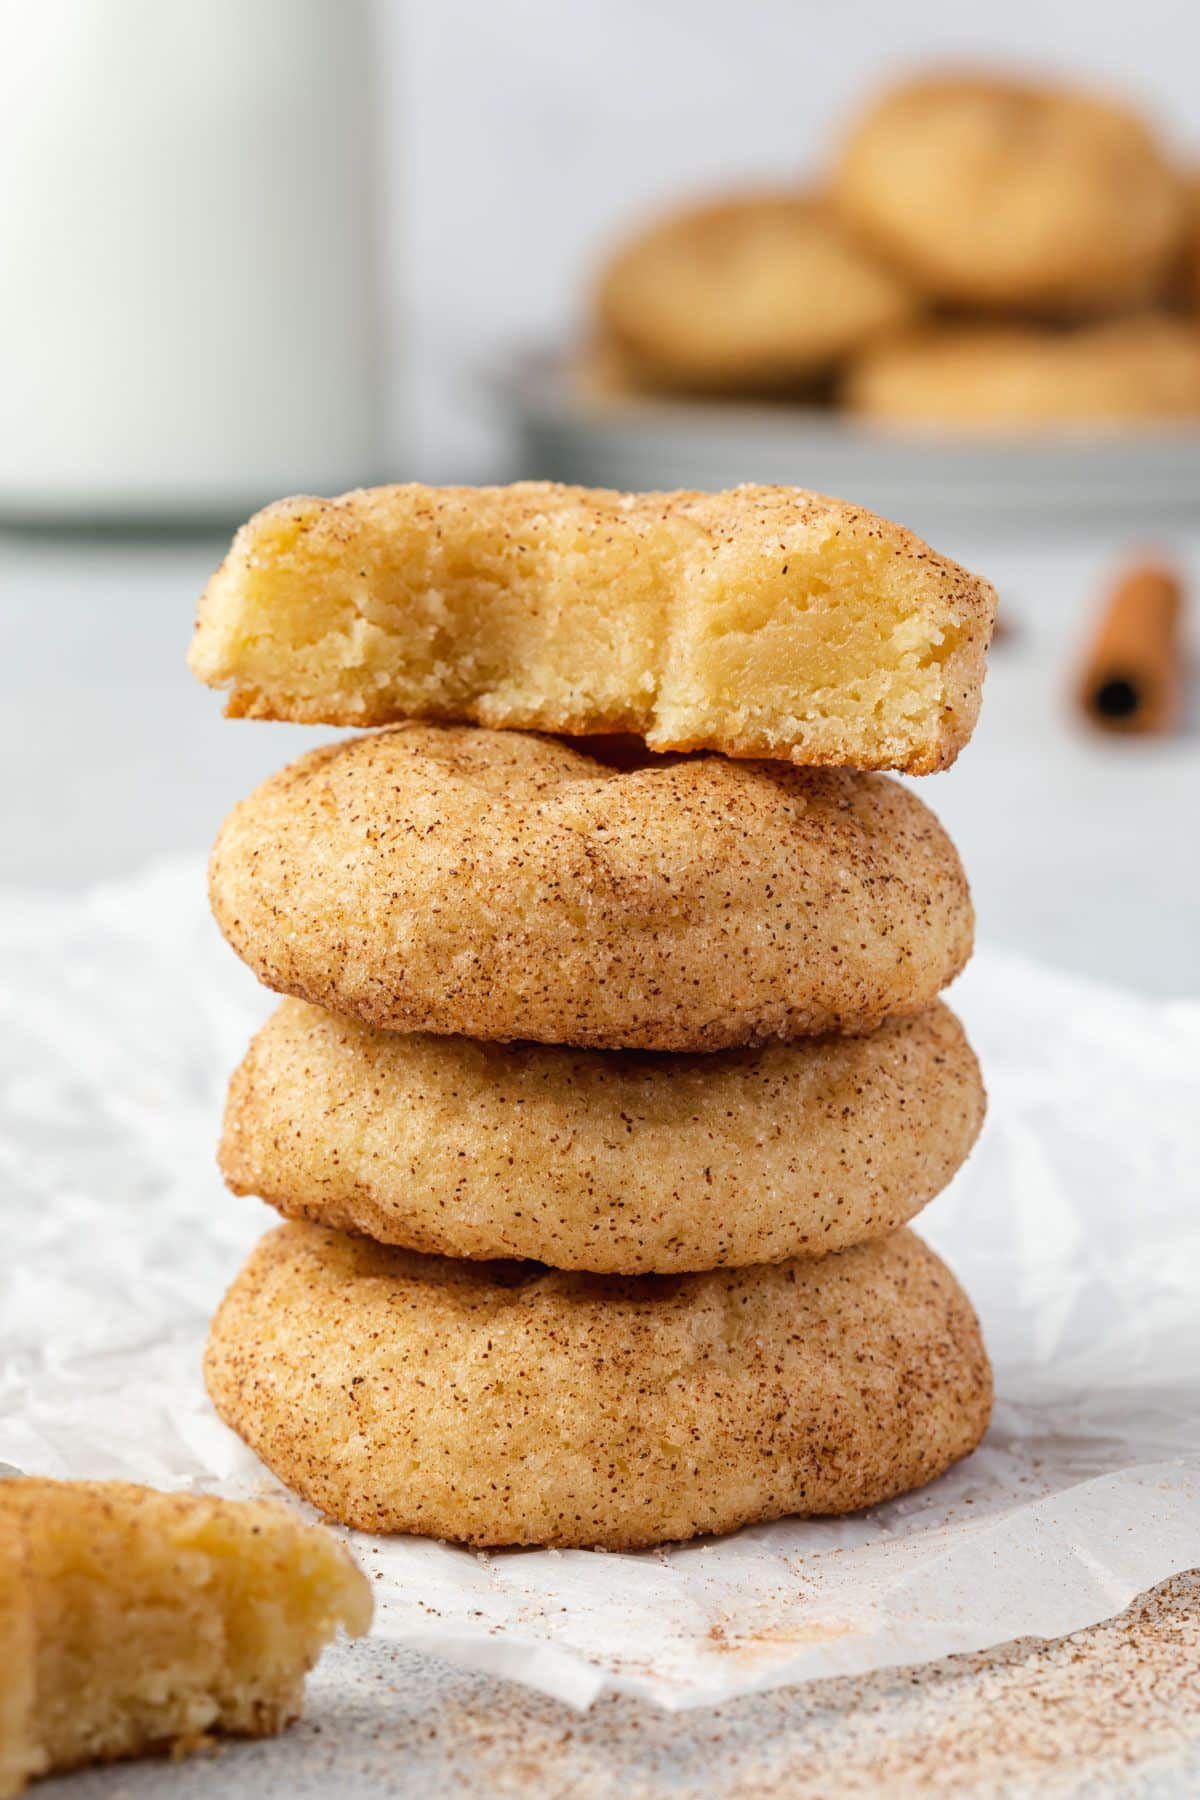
(189, 295)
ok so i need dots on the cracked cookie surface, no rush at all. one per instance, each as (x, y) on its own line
(502, 1403)
(618, 1162)
(499, 885)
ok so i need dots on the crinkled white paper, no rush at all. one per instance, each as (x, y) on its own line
(1075, 1227)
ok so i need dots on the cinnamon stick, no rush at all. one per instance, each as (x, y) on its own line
(1132, 674)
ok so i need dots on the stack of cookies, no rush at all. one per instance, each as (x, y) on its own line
(613, 1064)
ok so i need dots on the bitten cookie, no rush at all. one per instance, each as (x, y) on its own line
(1000, 193)
(612, 1161)
(497, 885)
(1012, 376)
(761, 622)
(758, 290)
(498, 1403)
(133, 1621)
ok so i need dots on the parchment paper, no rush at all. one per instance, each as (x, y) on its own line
(1075, 1227)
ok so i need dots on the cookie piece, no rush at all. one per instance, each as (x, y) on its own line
(617, 1162)
(492, 884)
(761, 622)
(135, 1621)
(21, 1756)
(500, 1403)
(1012, 376)
(1002, 193)
(754, 291)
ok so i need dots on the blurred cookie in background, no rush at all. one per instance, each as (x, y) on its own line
(605, 371)
(1000, 193)
(756, 291)
(1187, 291)
(1143, 367)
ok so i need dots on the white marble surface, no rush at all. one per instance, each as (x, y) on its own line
(1108, 1714)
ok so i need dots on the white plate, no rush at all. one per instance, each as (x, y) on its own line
(564, 435)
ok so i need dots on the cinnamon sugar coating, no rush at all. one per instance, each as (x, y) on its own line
(497, 885)
(500, 1403)
(619, 1162)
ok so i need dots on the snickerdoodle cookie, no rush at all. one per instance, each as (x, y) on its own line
(502, 1403)
(1187, 280)
(756, 290)
(492, 884)
(1002, 193)
(133, 1621)
(619, 1162)
(761, 622)
(1011, 376)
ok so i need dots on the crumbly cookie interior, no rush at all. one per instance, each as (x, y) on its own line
(20, 1755)
(156, 1619)
(762, 623)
